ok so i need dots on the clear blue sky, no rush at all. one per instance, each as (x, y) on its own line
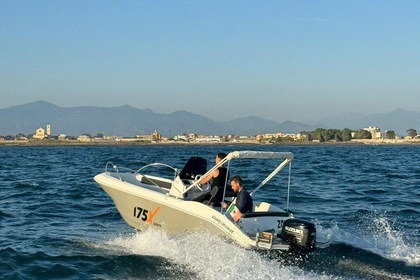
(279, 60)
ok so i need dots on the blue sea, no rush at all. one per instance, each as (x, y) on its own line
(57, 223)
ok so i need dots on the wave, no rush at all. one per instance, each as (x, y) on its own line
(377, 236)
(371, 271)
(4, 214)
(80, 262)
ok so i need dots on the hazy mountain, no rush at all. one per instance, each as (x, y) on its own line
(254, 125)
(71, 121)
(398, 120)
(123, 121)
(129, 121)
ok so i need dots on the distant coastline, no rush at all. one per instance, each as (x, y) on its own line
(55, 143)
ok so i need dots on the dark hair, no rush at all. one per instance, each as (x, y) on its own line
(237, 179)
(221, 155)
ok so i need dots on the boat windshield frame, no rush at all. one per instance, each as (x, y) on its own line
(285, 157)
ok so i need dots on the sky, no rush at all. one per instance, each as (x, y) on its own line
(279, 60)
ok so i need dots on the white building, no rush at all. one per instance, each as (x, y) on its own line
(84, 138)
(39, 133)
(208, 139)
(375, 131)
(180, 138)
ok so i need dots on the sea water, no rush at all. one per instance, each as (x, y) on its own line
(57, 223)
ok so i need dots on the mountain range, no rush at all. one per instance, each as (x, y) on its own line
(129, 121)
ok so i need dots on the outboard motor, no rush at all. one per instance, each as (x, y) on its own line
(299, 234)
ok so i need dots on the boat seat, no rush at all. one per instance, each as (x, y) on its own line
(207, 197)
(155, 182)
(213, 193)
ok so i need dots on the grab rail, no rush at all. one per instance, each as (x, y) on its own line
(159, 164)
(110, 166)
(117, 169)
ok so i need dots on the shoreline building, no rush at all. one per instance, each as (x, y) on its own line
(41, 134)
(374, 131)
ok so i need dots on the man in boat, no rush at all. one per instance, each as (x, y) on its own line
(243, 203)
(219, 176)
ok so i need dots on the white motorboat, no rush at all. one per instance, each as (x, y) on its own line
(177, 203)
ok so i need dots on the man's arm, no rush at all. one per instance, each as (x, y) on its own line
(208, 178)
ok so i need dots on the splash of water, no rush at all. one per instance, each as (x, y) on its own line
(392, 243)
(208, 256)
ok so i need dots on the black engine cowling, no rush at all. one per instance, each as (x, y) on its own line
(300, 234)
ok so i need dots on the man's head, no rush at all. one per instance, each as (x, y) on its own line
(236, 183)
(219, 157)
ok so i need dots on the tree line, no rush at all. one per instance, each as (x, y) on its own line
(325, 135)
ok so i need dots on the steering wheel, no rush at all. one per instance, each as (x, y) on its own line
(196, 178)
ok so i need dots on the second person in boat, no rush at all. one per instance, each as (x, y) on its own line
(218, 178)
(243, 203)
